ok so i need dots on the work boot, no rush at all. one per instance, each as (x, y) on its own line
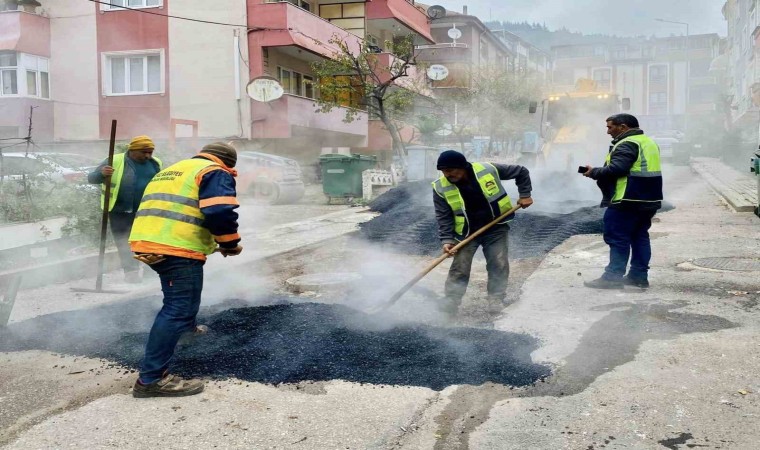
(133, 277)
(636, 282)
(168, 386)
(496, 304)
(449, 307)
(604, 283)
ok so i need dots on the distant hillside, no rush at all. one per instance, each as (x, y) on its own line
(544, 38)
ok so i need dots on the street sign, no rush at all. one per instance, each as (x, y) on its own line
(264, 89)
(437, 72)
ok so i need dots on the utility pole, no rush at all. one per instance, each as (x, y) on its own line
(25, 181)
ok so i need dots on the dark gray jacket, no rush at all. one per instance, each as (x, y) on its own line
(620, 165)
(445, 215)
(125, 199)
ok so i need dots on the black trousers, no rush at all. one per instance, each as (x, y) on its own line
(495, 243)
(121, 226)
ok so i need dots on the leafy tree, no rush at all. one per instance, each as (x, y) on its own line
(364, 80)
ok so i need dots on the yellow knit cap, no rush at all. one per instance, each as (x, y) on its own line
(141, 143)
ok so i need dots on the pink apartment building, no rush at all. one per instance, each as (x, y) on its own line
(82, 63)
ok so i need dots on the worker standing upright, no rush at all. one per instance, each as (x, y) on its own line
(631, 184)
(467, 197)
(187, 212)
(130, 174)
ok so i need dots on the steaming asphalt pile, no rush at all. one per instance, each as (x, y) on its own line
(288, 343)
(408, 223)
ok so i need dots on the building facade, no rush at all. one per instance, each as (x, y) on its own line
(743, 73)
(176, 69)
(663, 80)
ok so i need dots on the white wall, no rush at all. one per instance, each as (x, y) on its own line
(202, 67)
(73, 69)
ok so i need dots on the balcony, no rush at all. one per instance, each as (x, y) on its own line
(24, 32)
(402, 11)
(297, 116)
(283, 24)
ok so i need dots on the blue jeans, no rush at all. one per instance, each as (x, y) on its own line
(627, 234)
(181, 283)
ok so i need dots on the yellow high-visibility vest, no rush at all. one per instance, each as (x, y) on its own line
(495, 193)
(118, 174)
(644, 182)
(170, 211)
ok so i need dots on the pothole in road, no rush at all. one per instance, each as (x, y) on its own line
(291, 343)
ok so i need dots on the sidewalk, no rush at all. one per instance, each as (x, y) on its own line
(738, 189)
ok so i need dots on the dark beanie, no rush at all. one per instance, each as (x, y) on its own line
(451, 159)
(225, 152)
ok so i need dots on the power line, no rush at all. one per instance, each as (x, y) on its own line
(211, 22)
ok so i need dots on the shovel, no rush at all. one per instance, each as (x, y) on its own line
(104, 225)
(440, 259)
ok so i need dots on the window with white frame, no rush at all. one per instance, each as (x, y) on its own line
(135, 73)
(108, 5)
(296, 83)
(24, 75)
(8, 73)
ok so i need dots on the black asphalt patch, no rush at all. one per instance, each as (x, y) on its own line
(408, 224)
(289, 343)
(408, 221)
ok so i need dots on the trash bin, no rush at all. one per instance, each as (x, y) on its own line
(342, 174)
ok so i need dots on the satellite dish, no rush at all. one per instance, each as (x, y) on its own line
(437, 72)
(455, 33)
(436, 12)
(264, 89)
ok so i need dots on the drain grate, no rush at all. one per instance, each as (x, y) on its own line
(731, 263)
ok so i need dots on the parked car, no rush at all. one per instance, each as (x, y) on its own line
(666, 145)
(68, 167)
(271, 177)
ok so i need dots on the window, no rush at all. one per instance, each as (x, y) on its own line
(133, 73)
(23, 74)
(8, 73)
(658, 74)
(118, 4)
(349, 16)
(37, 77)
(296, 83)
(303, 4)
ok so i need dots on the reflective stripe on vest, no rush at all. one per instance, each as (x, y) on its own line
(488, 178)
(170, 214)
(118, 174)
(644, 182)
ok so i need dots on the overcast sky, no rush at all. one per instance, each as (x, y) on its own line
(623, 18)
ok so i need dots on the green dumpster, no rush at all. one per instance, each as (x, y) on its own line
(342, 174)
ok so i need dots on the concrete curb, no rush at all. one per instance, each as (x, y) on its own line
(737, 189)
(60, 271)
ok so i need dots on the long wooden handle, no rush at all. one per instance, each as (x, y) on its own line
(106, 205)
(443, 257)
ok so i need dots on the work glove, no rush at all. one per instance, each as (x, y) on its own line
(230, 251)
(149, 258)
